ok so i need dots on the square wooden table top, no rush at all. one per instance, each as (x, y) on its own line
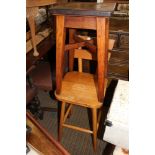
(84, 9)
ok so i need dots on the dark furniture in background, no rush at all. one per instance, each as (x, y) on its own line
(32, 101)
(42, 74)
(39, 68)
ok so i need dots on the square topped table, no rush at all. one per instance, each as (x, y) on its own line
(84, 9)
(82, 15)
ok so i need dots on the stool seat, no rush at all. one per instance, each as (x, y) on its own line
(42, 77)
(75, 86)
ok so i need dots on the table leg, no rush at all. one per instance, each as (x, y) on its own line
(102, 53)
(60, 43)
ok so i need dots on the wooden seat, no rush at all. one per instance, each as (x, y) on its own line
(75, 86)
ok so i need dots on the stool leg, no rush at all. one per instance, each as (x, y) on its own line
(72, 32)
(94, 120)
(71, 52)
(61, 120)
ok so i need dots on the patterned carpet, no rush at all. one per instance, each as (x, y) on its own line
(77, 143)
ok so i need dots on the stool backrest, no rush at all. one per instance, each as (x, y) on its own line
(85, 54)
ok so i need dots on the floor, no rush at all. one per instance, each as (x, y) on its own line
(77, 143)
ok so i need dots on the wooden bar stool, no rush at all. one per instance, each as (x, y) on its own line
(78, 88)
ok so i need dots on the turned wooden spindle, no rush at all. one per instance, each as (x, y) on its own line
(32, 8)
(31, 12)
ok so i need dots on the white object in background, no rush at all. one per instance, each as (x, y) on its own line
(120, 151)
(117, 134)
